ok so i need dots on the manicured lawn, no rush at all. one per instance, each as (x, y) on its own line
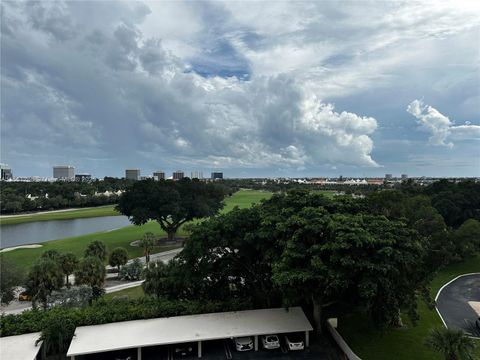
(107, 210)
(132, 293)
(24, 258)
(408, 342)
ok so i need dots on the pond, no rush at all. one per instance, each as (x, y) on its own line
(41, 231)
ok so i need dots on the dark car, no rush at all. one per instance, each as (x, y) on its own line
(183, 350)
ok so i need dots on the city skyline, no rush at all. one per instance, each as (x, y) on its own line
(278, 89)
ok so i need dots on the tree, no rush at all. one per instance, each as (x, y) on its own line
(97, 249)
(69, 263)
(170, 203)
(147, 242)
(45, 276)
(10, 278)
(467, 239)
(91, 272)
(57, 334)
(51, 254)
(118, 257)
(451, 343)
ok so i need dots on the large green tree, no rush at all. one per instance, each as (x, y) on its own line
(170, 203)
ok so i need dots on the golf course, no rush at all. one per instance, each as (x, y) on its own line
(24, 258)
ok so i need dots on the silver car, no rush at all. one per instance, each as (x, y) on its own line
(270, 342)
(294, 341)
(243, 343)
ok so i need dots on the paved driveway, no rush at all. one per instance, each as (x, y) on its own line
(452, 303)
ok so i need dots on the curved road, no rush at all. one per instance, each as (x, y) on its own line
(452, 303)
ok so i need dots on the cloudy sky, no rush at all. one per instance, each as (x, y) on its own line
(249, 88)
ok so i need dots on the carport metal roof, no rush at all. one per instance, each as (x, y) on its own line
(19, 347)
(182, 329)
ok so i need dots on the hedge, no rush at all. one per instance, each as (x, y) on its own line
(108, 311)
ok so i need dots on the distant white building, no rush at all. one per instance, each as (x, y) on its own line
(132, 174)
(64, 172)
(196, 175)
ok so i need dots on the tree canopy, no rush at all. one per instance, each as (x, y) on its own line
(170, 203)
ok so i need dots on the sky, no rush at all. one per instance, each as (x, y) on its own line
(253, 89)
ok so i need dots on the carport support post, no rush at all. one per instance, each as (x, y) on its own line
(72, 357)
(256, 342)
(199, 349)
(139, 353)
(307, 339)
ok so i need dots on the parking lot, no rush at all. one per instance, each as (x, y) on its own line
(452, 303)
(221, 350)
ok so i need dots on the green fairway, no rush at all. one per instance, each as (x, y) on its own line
(132, 293)
(107, 210)
(24, 258)
(408, 342)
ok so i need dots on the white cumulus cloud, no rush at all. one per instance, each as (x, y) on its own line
(442, 130)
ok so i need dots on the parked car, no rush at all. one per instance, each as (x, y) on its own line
(294, 341)
(183, 350)
(270, 342)
(24, 297)
(243, 343)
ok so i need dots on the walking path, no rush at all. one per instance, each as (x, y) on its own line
(17, 307)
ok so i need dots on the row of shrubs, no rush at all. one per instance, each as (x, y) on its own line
(105, 311)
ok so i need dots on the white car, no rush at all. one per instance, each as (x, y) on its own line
(294, 341)
(270, 342)
(243, 343)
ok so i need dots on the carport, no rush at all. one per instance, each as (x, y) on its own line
(185, 329)
(20, 347)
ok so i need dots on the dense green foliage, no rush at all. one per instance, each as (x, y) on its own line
(58, 195)
(171, 203)
(57, 335)
(132, 271)
(103, 311)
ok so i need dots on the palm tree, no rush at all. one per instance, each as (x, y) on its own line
(98, 249)
(453, 344)
(57, 335)
(69, 263)
(45, 276)
(91, 272)
(147, 242)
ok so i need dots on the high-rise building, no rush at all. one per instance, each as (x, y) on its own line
(132, 174)
(83, 177)
(64, 172)
(217, 175)
(6, 172)
(197, 175)
(404, 176)
(388, 176)
(158, 175)
(177, 175)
